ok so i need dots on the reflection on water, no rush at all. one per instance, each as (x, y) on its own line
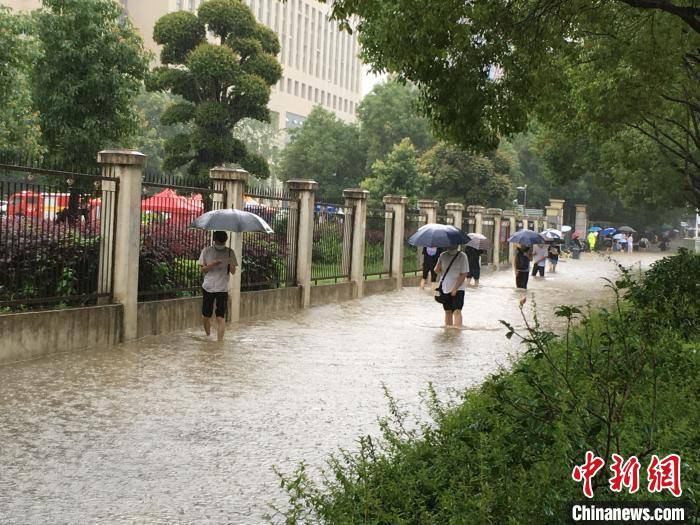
(175, 429)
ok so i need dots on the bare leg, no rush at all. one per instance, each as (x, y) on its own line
(422, 284)
(457, 318)
(448, 318)
(206, 322)
(220, 327)
(476, 284)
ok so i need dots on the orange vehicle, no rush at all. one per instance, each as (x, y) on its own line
(34, 204)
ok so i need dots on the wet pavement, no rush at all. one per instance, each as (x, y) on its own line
(176, 429)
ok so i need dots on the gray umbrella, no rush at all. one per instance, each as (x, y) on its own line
(231, 221)
(626, 229)
(526, 238)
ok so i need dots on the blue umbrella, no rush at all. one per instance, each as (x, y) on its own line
(609, 231)
(438, 236)
(526, 238)
(594, 229)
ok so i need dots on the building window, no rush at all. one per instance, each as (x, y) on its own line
(292, 120)
(296, 88)
(316, 95)
(289, 85)
(178, 5)
(280, 84)
(303, 90)
(335, 102)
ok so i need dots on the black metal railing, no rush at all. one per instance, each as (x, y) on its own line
(269, 260)
(378, 230)
(332, 243)
(488, 230)
(170, 249)
(411, 255)
(57, 230)
(504, 245)
(468, 224)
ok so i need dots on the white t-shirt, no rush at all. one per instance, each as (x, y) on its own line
(216, 279)
(461, 265)
(540, 252)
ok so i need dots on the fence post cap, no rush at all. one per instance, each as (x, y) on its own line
(427, 203)
(508, 213)
(225, 173)
(301, 184)
(581, 206)
(454, 206)
(121, 157)
(475, 209)
(355, 193)
(494, 211)
(558, 203)
(394, 199)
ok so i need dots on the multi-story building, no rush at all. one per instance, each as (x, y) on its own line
(319, 60)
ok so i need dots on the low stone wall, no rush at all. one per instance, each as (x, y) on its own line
(411, 280)
(332, 293)
(168, 315)
(379, 286)
(269, 302)
(29, 335)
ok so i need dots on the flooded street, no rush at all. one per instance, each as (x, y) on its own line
(175, 429)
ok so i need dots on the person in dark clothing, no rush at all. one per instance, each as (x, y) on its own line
(474, 257)
(521, 265)
(430, 260)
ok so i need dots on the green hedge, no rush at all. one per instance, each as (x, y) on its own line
(620, 380)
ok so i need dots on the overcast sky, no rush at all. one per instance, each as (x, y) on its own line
(369, 80)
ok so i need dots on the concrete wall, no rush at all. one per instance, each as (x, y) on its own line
(412, 280)
(268, 302)
(332, 293)
(378, 286)
(30, 335)
(168, 315)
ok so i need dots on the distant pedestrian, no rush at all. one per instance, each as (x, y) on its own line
(539, 259)
(591, 240)
(474, 257)
(521, 266)
(608, 243)
(430, 259)
(553, 254)
(630, 243)
(453, 265)
(216, 261)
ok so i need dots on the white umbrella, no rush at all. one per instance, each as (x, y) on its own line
(551, 234)
(231, 221)
(478, 241)
(566, 229)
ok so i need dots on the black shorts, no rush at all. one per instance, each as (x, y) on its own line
(454, 303)
(538, 269)
(521, 279)
(429, 270)
(208, 299)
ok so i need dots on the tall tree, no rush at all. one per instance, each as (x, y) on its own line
(221, 83)
(91, 69)
(19, 123)
(455, 175)
(327, 150)
(397, 174)
(388, 114)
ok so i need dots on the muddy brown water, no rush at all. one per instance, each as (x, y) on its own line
(175, 429)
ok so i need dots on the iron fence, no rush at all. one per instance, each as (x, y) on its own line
(170, 249)
(468, 224)
(332, 243)
(504, 245)
(412, 255)
(378, 243)
(57, 231)
(488, 230)
(269, 260)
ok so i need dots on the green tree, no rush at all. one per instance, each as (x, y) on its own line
(327, 150)
(19, 123)
(397, 174)
(221, 83)
(486, 68)
(455, 175)
(388, 114)
(91, 69)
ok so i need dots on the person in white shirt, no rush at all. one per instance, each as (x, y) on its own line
(217, 262)
(455, 266)
(539, 259)
(630, 243)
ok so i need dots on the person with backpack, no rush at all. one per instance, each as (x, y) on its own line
(521, 266)
(453, 266)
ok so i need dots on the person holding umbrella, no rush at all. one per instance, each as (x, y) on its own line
(452, 265)
(217, 262)
(523, 239)
(430, 259)
(477, 245)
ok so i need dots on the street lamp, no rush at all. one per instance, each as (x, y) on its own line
(523, 189)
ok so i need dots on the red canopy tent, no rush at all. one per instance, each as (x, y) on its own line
(167, 201)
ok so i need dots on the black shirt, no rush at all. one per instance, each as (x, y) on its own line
(522, 261)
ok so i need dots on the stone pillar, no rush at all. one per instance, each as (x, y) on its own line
(479, 219)
(581, 222)
(496, 214)
(455, 210)
(509, 216)
(304, 191)
(471, 219)
(428, 208)
(232, 182)
(397, 205)
(127, 166)
(557, 211)
(356, 199)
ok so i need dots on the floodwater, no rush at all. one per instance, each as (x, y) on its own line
(174, 429)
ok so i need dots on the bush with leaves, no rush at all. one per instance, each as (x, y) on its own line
(506, 452)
